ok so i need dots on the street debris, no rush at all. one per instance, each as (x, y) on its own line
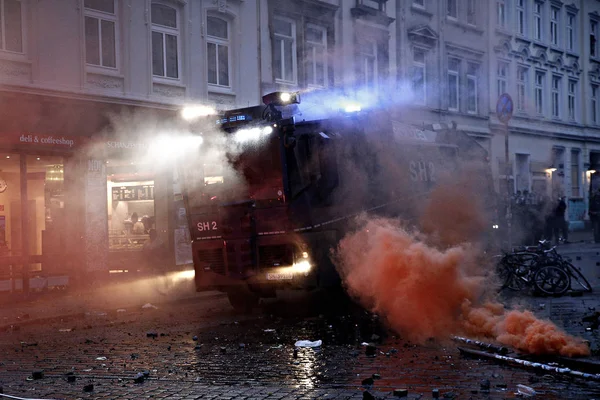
(269, 330)
(121, 310)
(400, 392)
(529, 364)
(195, 338)
(435, 393)
(88, 388)
(371, 350)
(101, 358)
(525, 390)
(37, 375)
(149, 305)
(65, 330)
(308, 343)
(152, 334)
(483, 345)
(139, 378)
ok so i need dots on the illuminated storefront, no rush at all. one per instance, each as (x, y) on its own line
(69, 196)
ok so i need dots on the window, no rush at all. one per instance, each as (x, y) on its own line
(572, 93)
(501, 13)
(284, 59)
(593, 36)
(217, 51)
(316, 51)
(11, 28)
(452, 8)
(165, 41)
(575, 173)
(556, 96)
(502, 74)
(100, 34)
(571, 34)
(539, 92)
(594, 104)
(472, 88)
(523, 172)
(471, 12)
(419, 3)
(367, 64)
(522, 73)
(520, 6)
(419, 76)
(537, 20)
(453, 71)
(554, 22)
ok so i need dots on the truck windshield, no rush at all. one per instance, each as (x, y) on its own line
(253, 172)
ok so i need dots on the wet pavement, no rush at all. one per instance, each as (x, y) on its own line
(188, 345)
(201, 349)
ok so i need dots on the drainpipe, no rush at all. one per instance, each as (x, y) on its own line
(259, 48)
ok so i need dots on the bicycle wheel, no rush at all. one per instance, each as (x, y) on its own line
(551, 280)
(514, 270)
(576, 275)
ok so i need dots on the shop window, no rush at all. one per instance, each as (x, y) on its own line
(10, 205)
(46, 204)
(131, 211)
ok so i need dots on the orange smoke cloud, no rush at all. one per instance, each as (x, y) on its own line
(453, 215)
(424, 292)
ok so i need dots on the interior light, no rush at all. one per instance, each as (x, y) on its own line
(304, 254)
(38, 159)
(7, 156)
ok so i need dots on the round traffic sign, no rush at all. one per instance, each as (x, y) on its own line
(504, 108)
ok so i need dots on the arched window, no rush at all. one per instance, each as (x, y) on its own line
(165, 41)
(217, 50)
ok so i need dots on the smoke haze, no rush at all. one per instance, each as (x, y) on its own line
(424, 292)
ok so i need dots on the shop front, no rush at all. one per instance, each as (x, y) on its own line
(38, 221)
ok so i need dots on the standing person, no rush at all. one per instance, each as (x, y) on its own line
(560, 223)
(156, 258)
(594, 213)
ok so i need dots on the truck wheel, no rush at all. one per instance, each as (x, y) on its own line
(242, 300)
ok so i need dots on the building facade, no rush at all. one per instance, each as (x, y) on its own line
(544, 54)
(70, 69)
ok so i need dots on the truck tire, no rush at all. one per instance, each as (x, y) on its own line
(242, 300)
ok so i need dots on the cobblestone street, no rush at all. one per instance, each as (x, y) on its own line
(130, 340)
(194, 349)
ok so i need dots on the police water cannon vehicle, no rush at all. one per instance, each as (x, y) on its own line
(292, 187)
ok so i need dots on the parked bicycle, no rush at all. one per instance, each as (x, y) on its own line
(540, 268)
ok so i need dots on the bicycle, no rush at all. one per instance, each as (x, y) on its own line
(518, 270)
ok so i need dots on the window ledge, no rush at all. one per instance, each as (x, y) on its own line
(595, 59)
(168, 81)
(572, 53)
(540, 43)
(287, 83)
(522, 38)
(464, 25)
(12, 56)
(220, 89)
(556, 48)
(94, 69)
(421, 10)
